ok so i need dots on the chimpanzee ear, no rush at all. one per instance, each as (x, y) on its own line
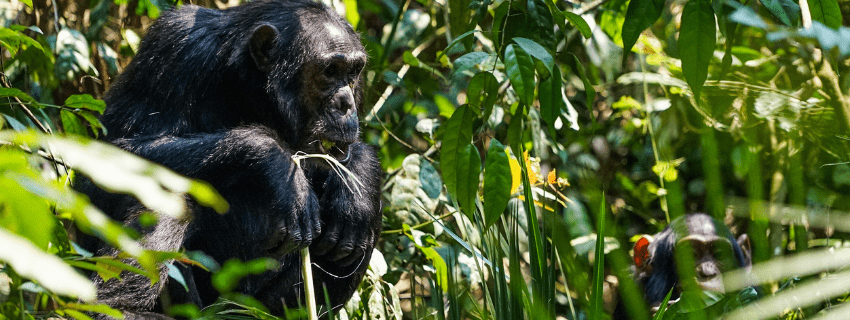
(262, 44)
(744, 243)
(642, 254)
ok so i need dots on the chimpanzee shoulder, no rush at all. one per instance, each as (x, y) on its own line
(229, 97)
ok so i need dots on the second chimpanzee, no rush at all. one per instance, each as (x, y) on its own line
(229, 97)
(713, 245)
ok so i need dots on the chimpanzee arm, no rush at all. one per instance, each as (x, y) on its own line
(245, 159)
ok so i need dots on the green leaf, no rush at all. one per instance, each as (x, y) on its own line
(15, 93)
(697, 39)
(99, 308)
(468, 176)
(551, 101)
(430, 179)
(48, 270)
(827, 12)
(93, 121)
(72, 124)
(458, 134)
(459, 18)
(497, 183)
(425, 242)
(469, 60)
(175, 274)
(579, 23)
(85, 101)
(536, 51)
(23, 211)
(589, 91)
(226, 279)
(787, 11)
(641, 14)
(482, 92)
(520, 69)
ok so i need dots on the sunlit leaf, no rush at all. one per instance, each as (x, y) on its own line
(226, 279)
(497, 182)
(424, 243)
(697, 39)
(85, 101)
(71, 123)
(48, 270)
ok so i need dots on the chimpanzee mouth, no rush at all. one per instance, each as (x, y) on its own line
(337, 150)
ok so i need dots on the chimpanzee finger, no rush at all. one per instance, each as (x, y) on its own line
(345, 246)
(355, 256)
(328, 239)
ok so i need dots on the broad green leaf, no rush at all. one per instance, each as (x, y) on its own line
(537, 51)
(468, 177)
(430, 179)
(641, 14)
(827, 12)
(226, 279)
(48, 270)
(697, 39)
(84, 101)
(482, 92)
(413, 61)
(99, 308)
(469, 60)
(72, 124)
(459, 18)
(497, 183)
(579, 23)
(94, 122)
(175, 274)
(520, 69)
(23, 212)
(351, 13)
(15, 93)
(787, 11)
(551, 101)
(425, 242)
(458, 134)
(589, 91)
(515, 128)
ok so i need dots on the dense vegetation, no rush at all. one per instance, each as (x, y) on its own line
(514, 134)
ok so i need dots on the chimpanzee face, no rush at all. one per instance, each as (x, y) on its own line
(320, 68)
(713, 255)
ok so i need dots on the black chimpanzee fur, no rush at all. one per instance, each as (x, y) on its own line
(228, 97)
(715, 249)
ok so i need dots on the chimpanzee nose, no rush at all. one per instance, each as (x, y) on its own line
(343, 99)
(707, 271)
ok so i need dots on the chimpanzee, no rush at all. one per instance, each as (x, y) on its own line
(714, 247)
(228, 97)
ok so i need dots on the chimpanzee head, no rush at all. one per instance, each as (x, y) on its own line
(714, 249)
(313, 62)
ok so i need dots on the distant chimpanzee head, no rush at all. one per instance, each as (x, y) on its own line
(322, 64)
(715, 251)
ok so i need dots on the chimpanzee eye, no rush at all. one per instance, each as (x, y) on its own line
(331, 70)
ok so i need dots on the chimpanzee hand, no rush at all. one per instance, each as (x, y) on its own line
(297, 209)
(350, 215)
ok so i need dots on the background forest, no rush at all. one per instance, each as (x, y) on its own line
(515, 135)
